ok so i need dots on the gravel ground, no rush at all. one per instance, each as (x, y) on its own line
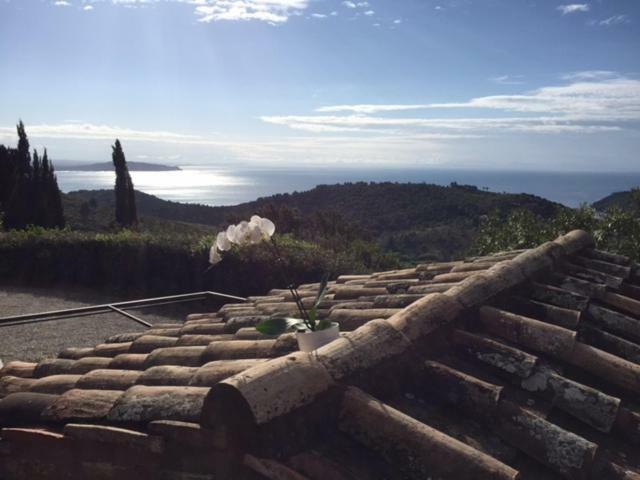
(33, 342)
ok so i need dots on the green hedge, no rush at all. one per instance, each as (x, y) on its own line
(140, 264)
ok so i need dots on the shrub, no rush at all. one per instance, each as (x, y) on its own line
(616, 230)
(141, 264)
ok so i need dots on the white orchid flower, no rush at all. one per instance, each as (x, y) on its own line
(242, 233)
(231, 233)
(254, 231)
(222, 242)
(214, 256)
(268, 227)
(254, 234)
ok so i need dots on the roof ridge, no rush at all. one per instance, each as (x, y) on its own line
(283, 384)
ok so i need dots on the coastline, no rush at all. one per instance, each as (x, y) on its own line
(218, 186)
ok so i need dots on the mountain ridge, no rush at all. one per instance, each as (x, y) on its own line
(418, 219)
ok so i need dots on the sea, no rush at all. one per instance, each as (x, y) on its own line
(212, 185)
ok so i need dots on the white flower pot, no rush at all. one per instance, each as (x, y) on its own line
(309, 341)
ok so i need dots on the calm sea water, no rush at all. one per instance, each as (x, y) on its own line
(217, 186)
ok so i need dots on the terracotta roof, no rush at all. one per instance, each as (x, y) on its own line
(522, 364)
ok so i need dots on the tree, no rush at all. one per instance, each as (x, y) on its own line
(6, 175)
(36, 193)
(51, 194)
(29, 193)
(24, 157)
(19, 208)
(616, 230)
(635, 199)
(126, 213)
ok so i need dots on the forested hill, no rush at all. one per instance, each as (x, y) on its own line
(378, 207)
(416, 220)
(381, 207)
(628, 200)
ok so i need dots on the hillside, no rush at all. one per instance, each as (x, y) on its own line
(94, 211)
(628, 201)
(418, 221)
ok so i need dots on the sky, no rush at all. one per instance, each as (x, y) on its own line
(485, 84)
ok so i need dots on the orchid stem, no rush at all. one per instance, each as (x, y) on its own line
(292, 289)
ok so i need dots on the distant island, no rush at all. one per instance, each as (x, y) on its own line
(133, 166)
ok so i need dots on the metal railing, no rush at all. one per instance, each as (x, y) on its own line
(119, 307)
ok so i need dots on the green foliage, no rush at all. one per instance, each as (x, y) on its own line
(425, 222)
(616, 230)
(628, 201)
(277, 325)
(517, 229)
(635, 197)
(134, 263)
(126, 262)
(619, 232)
(312, 314)
(253, 269)
(29, 191)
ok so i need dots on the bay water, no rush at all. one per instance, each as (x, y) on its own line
(211, 185)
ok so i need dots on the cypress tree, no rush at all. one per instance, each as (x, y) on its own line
(19, 212)
(24, 157)
(36, 166)
(126, 213)
(55, 213)
(6, 176)
(37, 195)
(29, 193)
(44, 188)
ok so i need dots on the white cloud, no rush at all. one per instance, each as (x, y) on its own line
(334, 14)
(369, 13)
(585, 106)
(573, 8)
(89, 131)
(318, 15)
(350, 4)
(507, 80)
(615, 98)
(272, 11)
(87, 8)
(590, 75)
(397, 21)
(614, 20)
(62, 3)
(434, 126)
(371, 108)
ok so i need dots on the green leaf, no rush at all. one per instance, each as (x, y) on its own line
(277, 325)
(322, 291)
(323, 324)
(312, 315)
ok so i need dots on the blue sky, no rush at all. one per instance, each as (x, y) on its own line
(511, 84)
